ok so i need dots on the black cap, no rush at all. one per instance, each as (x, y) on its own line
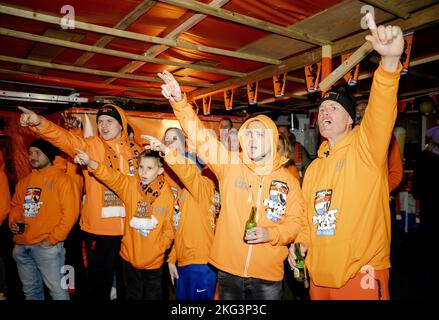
(109, 110)
(345, 99)
(49, 150)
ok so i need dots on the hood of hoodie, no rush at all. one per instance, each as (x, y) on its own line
(124, 135)
(324, 149)
(276, 160)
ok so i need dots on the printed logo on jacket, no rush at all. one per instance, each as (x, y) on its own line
(325, 219)
(275, 205)
(32, 204)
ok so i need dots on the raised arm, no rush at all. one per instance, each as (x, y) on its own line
(115, 180)
(210, 150)
(56, 135)
(186, 170)
(376, 127)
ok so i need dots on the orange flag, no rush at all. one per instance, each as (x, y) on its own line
(279, 81)
(405, 57)
(228, 99)
(206, 105)
(352, 76)
(252, 93)
(312, 75)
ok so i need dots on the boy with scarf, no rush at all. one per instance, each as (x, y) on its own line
(149, 204)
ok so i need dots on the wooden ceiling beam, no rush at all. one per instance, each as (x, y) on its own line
(94, 71)
(416, 21)
(290, 32)
(32, 15)
(155, 50)
(110, 52)
(129, 19)
(388, 7)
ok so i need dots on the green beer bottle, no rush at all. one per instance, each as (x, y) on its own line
(299, 270)
(251, 222)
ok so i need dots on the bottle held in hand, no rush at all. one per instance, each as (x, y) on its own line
(251, 222)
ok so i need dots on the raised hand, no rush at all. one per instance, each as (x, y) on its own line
(171, 89)
(82, 158)
(29, 118)
(155, 144)
(387, 41)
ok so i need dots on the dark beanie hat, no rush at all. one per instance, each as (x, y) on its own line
(345, 99)
(49, 150)
(109, 110)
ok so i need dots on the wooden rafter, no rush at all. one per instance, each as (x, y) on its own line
(27, 14)
(94, 71)
(130, 18)
(155, 50)
(388, 7)
(110, 52)
(416, 21)
(248, 21)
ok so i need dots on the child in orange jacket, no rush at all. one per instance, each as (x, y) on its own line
(149, 204)
(194, 224)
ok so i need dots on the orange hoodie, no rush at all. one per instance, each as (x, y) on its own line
(5, 196)
(347, 194)
(48, 202)
(196, 223)
(396, 170)
(243, 184)
(142, 251)
(103, 213)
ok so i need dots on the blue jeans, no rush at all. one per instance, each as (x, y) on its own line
(195, 282)
(232, 287)
(36, 264)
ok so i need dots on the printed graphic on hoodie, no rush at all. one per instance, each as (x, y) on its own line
(32, 202)
(325, 219)
(275, 205)
(142, 221)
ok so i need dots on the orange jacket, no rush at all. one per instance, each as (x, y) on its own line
(347, 194)
(396, 170)
(196, 222)
(5, 196)
(143, 252)
(101, 213)
(48, 202)
(243, 184)
(294, 171)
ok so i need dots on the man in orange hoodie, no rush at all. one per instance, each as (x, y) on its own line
(194, 223)
(44, 208)
(103, 213)
(148, 232)
(250, 263)
(346, 188)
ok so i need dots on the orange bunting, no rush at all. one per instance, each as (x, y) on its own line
(351, 77)
(405, 57)
(206, 105)
(312, 75)
(279, 81)
(228, 99)
(252, 93)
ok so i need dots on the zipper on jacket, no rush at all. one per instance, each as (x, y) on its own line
(250, 249)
